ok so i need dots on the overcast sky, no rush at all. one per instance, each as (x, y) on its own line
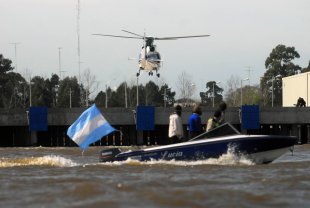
(243, 33)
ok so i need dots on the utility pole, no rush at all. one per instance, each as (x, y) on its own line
(70, 97)
(30, 101)
(15, 49)
(59, 59)
(126, 104)
(106, 96)
(241, 88)
(78, 38)
(166, 96)
(249, 70)
(214, 92)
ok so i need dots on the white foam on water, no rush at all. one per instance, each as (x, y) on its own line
(229, 158)
(48, 160)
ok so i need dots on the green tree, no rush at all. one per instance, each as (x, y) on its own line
(118, 97)
(251, 95)
(213, 90)
(152, 94)
(12, 86)
(40, 93)
(69, 87)
(12, 91)
(100, 99)
(132, 96)
(53, 85)
(168, 96)
(279, 63)
(307, 69)
(5, 65)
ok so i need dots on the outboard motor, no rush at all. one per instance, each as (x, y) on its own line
(108, 155)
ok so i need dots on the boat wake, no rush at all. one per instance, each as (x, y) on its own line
(48, 160)
(230, 158)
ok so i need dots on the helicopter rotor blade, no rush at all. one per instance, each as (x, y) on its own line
(133, 33)
(179, 37)
(118, 36)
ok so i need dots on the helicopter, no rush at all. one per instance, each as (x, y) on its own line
(149, 59)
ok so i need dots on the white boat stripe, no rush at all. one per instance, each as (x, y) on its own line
(90, 126)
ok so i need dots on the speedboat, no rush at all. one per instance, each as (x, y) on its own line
(260, 149)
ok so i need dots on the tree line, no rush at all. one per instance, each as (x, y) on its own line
(279, 64)
(19, 92)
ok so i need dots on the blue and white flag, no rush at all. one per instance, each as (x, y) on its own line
(89, 128)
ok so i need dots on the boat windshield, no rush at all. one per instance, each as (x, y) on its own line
(226, 129)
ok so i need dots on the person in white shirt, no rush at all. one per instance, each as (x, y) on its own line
(175, 126)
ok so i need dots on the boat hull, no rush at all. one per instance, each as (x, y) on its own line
(258, 148)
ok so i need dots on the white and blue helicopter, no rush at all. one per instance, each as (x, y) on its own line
(149, 59)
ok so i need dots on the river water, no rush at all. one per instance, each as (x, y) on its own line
(62, 177)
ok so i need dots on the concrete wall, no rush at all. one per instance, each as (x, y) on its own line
(122, 116)
(15, 132)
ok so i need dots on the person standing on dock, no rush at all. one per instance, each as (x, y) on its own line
(194, 122)
(175, 126)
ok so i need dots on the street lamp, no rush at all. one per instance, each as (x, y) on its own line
(273, 79)
(241, 87)
(213, 90)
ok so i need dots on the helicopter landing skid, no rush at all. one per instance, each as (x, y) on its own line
(150, 73)
(157, 74)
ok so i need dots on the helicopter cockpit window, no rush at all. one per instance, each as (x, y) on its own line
(153, 55)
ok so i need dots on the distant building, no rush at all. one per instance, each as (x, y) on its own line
(294, 87)
(185, 102)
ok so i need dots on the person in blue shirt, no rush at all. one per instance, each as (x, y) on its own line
(194, 122)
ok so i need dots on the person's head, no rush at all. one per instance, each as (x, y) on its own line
(197, 109)
(222, 106)
(217, 114)
(178, 109)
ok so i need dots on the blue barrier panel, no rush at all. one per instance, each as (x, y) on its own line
(145, 118)
(38, 119)
(250, 117)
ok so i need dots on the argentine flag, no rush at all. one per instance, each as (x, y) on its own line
(89, 128)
